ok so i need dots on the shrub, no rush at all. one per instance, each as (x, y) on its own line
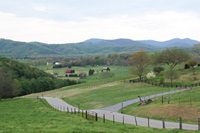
(72, 75)
(91, 72)
(187, 66)
(82, 75)
(157, 70)
(161, 80)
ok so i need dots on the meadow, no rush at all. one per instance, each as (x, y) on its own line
(97, 91)
(103, 89)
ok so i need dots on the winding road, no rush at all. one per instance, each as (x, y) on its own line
(111, 113)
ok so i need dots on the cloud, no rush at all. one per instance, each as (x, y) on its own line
(152, 25)
(40, 8)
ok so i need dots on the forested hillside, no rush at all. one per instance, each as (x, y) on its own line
(18, 49)
(19, 79)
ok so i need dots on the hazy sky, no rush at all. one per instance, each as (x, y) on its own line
(62, 21)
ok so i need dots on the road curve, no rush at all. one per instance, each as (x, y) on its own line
(111, 113)
(117, 107)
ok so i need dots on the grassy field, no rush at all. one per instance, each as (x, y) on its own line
(110, 94)
(185, 104)
(103, 89)
(118, 71)
(88, 97)
(32, 116)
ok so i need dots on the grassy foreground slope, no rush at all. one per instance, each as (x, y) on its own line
(33, 116)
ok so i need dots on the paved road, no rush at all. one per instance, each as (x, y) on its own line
(111, 113)
(117, 107)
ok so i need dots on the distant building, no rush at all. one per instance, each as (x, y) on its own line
(57, 63)
(105, 69)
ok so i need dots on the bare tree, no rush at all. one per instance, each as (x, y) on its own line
(140, 60)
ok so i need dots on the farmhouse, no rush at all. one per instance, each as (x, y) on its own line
(70, 72)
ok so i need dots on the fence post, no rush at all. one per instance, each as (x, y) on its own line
(86, 115)
(96, 116)
(82, 113)
(180, 123)
(135, 120)
(148, 122)
(163, 123)
(122, 108)
(198, 123)
(169, 100)
(104, 118)
(67, 109)
(113, 119)
(123, 119)
(78, 109)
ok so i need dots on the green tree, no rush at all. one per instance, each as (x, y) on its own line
(171, 57)
(196, 49)
(192, 63)
(91, 72)
(158, 69)
(8, 86)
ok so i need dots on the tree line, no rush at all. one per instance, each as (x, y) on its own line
(167, 59)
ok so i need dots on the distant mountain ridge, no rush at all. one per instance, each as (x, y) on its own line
(176, 42)
(93, 46)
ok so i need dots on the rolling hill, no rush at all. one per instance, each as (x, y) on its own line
(93, 46)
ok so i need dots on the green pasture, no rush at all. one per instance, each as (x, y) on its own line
(33, 116)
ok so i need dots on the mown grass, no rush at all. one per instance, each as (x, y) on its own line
(33, 116)
(184, 104)
(98, 96)
(111, 94)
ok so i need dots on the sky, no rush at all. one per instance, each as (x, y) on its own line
(65, 21)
